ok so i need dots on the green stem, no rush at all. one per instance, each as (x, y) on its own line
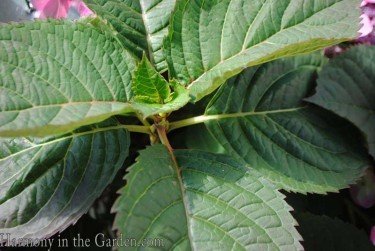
(136, 128)
(164, 140)
(204, 118)
(143, 121)
(161, 129)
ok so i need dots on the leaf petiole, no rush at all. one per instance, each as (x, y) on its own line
(137, 128)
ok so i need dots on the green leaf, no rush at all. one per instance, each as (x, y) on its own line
(47, 184)
(198, 137)
(324, 233)
(259, 117)
(58, 75)
(211, 41)
(150, 84)
(346, 86)
(179, 98)
(141, 24)
(208, 202)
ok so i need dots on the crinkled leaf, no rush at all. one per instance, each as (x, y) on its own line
(346, 86)
(324, 233)
(141, 24)
(58, 75)
(177, 99)
(259, 116)
(208, 202)
(211, 41)
(150, 84)
(47, 184)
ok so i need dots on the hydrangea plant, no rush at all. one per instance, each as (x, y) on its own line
(70, 90)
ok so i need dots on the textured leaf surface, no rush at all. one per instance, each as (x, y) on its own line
(346, 86)
(177, 99)
(149, 85)
(259, 117)
(209, 202)
(47, 184)
(324, 233)
(211, 41)
(141, 24)
(57, 76)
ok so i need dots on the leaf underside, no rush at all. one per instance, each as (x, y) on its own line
(58, 75)
(263, 121)
(48, 184)
(211, 41)
(346, 86)
(215, 204)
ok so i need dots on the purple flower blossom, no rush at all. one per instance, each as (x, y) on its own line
(368, 22)
(59, 8)
(363, 193)
(372, 235)
(367, 26)
(366, 33)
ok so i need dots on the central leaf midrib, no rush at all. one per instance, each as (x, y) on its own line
(252, 113)
(183, 196)
(252, 25)
(148, 33)
(71, 136)
(208, 117)
(90, 103)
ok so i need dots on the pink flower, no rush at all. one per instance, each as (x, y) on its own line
(83, 10)
(367, 31)
(367, 26)
(59, 8)
(364, 2)
(372, 235)
(363, 193)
